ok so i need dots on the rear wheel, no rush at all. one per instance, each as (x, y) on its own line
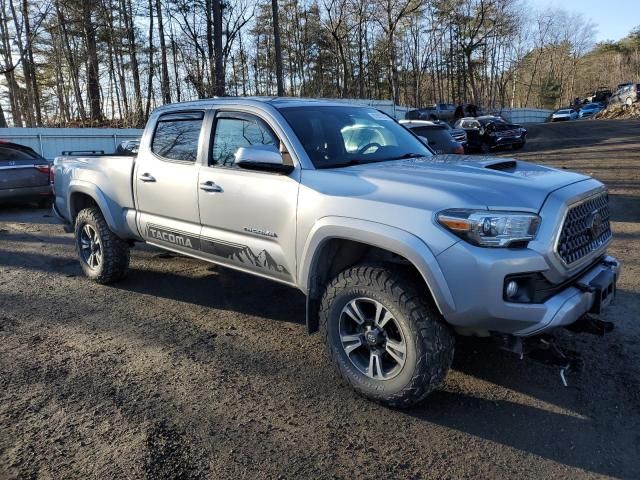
(104, 256)
(385, 339)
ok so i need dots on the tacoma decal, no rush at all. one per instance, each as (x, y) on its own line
(235, 252)
(175, 237)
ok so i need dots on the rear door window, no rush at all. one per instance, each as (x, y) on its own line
(177, 136)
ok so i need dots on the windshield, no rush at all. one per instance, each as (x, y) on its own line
(342, 136)
(562, 111)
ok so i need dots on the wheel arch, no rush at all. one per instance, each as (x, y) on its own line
(337, 243)
(83, 195)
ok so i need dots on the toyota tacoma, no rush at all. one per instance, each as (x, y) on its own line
(397, 250)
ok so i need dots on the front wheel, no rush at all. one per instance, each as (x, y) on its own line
(103, 255)
(385, 339)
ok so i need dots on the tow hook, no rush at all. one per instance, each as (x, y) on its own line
(589, 324)
(543, 349)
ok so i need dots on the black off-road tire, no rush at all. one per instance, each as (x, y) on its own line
(115, 251)
(430, 342)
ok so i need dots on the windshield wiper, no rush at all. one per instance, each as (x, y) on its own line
(352, 162)
(408, 155)
(361, 161)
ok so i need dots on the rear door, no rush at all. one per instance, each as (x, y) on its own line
(166, 179)
(248, 217)
(22, 168)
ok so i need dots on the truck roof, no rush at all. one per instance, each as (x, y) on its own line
(276, 102)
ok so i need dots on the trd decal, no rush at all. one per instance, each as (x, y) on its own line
(174, 237)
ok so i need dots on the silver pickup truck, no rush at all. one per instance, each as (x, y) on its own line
(397, 250)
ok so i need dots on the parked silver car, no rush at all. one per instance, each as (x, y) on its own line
(626, 94)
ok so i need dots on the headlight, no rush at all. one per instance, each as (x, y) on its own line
(490, 229)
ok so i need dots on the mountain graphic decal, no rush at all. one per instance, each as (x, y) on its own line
(262, 260)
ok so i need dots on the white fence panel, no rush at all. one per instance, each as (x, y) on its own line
(50, 142)
(386, 106)
(524, 115)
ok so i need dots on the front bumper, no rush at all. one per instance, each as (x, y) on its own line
(505, 141)
(475, 276)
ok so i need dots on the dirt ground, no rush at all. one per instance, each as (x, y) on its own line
(186, 370)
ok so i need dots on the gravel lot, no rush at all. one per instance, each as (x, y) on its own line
(186, 370)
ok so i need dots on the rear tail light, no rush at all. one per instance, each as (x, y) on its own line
(52, 177)
(44, 169)
(459, 150)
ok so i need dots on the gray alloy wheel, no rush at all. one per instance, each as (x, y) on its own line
(384, 335)
(372, 338)
(104, 257)
(90, 247)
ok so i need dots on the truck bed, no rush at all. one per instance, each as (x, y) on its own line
(110, 175)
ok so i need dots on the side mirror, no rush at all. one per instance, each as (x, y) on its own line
(264, 158)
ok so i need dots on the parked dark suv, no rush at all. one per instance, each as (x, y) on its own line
(491, 132)
(439, 137)
(24, 175)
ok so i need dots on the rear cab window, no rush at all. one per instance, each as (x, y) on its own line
(177, 136)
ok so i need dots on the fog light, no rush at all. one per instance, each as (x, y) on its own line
(512, 289)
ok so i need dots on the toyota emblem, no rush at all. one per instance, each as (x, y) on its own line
(594, 224)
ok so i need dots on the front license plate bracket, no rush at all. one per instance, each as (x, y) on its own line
(603, 287)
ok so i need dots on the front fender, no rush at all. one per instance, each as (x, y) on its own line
(382, 236)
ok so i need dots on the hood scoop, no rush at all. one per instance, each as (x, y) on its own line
(502, 165)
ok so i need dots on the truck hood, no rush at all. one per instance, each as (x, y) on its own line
(495, 183)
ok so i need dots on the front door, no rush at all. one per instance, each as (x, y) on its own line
(166, 182)
(248, 217)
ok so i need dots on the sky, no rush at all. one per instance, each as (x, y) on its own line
(614, 18)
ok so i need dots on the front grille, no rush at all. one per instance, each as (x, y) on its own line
(586, 228)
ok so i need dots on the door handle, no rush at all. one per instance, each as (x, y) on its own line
(210, 186)
(146, 177)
